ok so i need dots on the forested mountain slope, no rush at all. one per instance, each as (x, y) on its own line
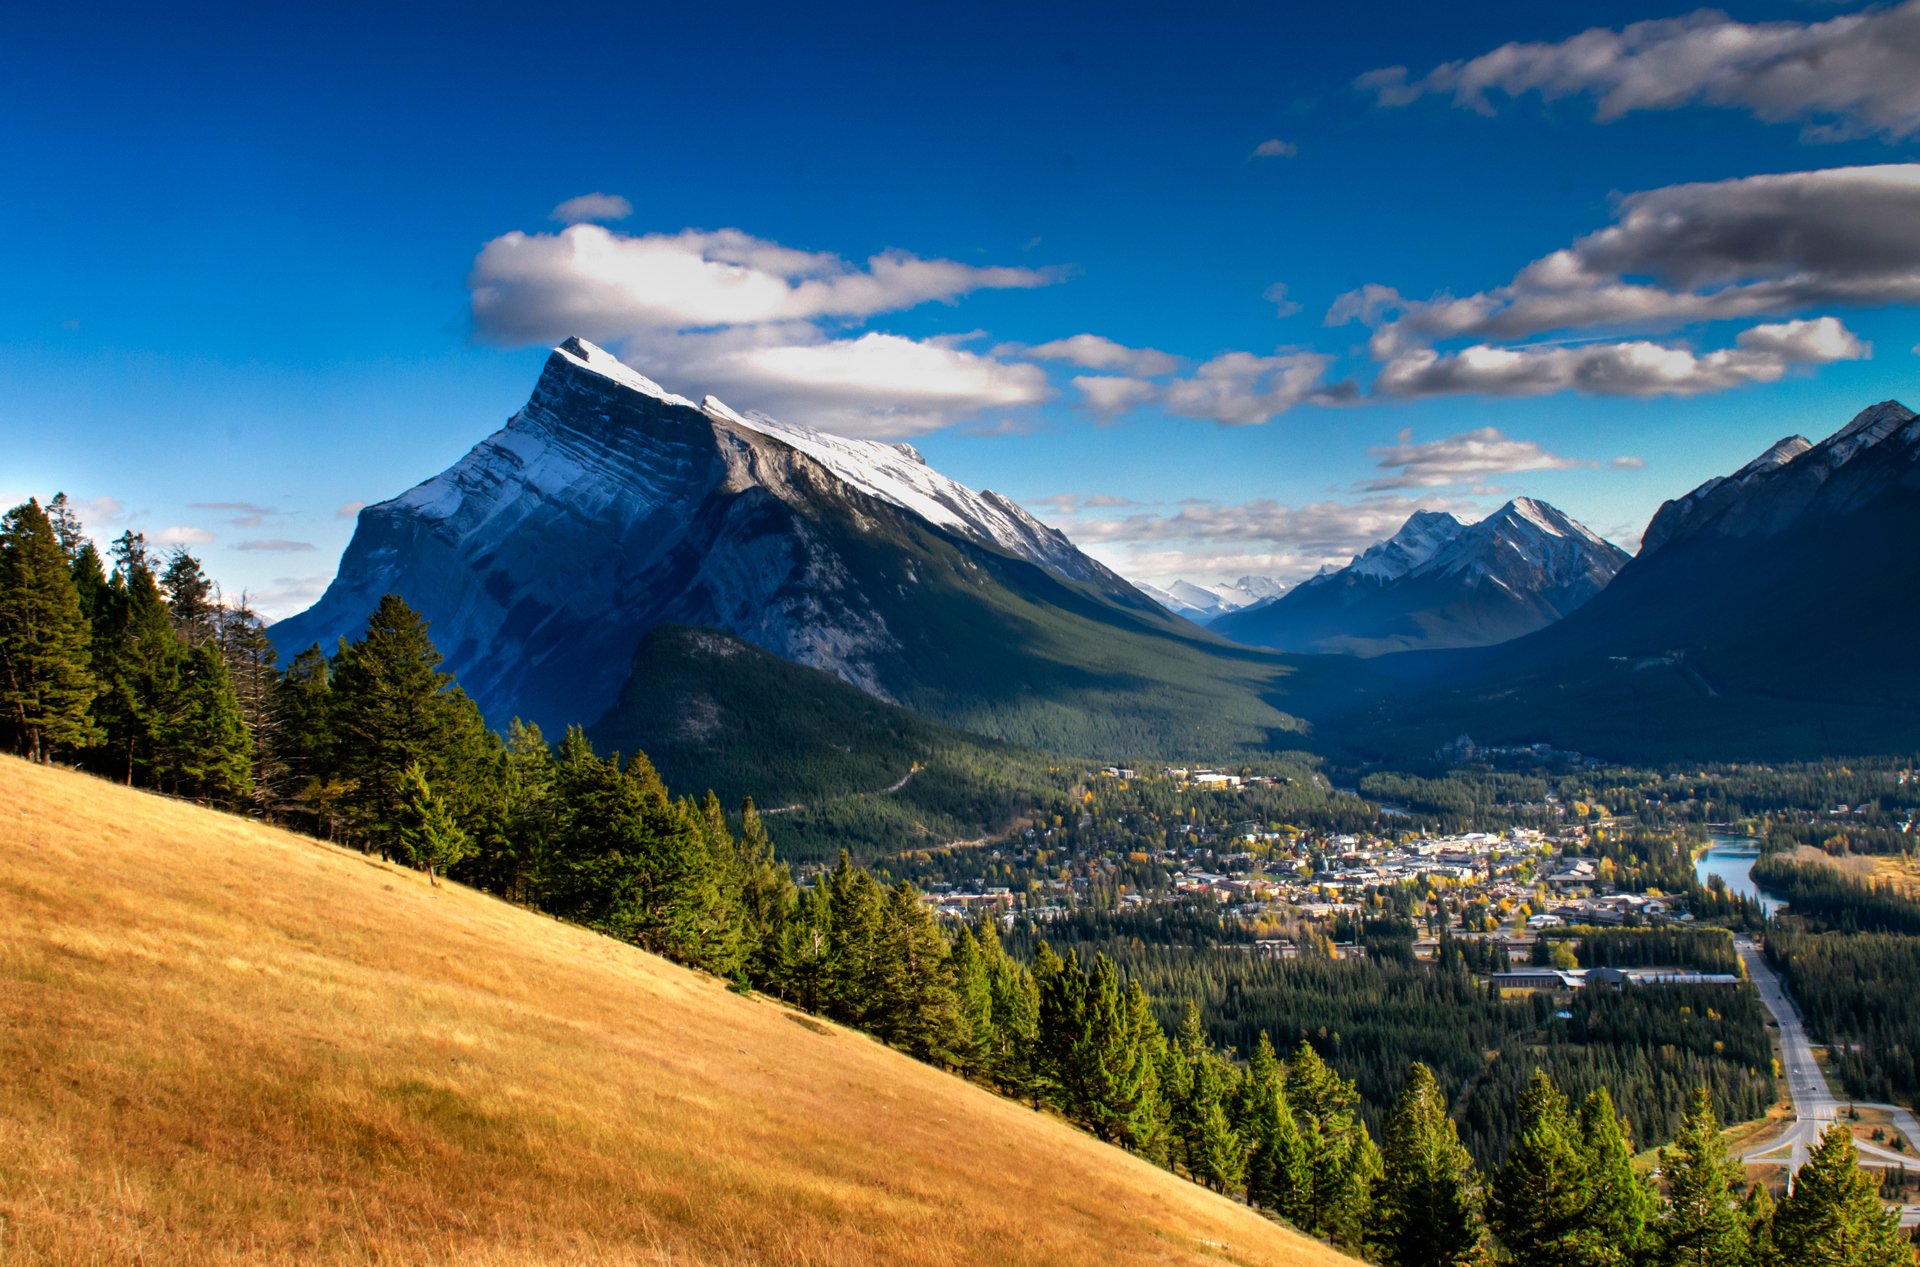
(607, 507)
(832, 767)
(220, 1043)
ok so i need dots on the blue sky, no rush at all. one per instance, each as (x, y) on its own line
(262, 266)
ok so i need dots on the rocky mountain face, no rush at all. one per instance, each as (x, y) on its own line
(1439, 583)
(608, 506)
(1769, 613)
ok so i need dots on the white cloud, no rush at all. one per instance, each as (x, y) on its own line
(1234, 389)
(1762, 354)
(586, 280)
(1111, 396)
(183, 535)
(1091, 351)
(290, 594)
(1758, 246)
(349, 510)
(275, 546)
(1241, 389)
(1276, 148)
(1627, 464)
(1276, 294)
(1074, 503)
(752, 320)
(1461, 459)
(1860, 72)
(98, 510)
(592, 207)
(1320, 528)
(879, 386)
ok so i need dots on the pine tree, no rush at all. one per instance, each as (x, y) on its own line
(1145, 1127)
(1342, 1160)
(1062, 1032)
(1016, 1011)
(921, 1013)
(1280, 1174)
(855, 905)
(189, 598)
(1833, 1217)
(428, 834)
(1620, 1203)
(1536, 1202)
(137, 662)
(390, 708)
(766, 898)
(1756, 1226)
(973, 997)
(806, 945)
(1425, 1210)
(1699, 1224)
(46, 679)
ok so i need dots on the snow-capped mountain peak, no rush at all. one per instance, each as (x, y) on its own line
(1203, 603)
(604, 363)
(1419, 539)
(897, 473)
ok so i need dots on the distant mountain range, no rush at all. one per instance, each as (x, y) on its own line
(1439, 582)
(1204, 603)
(608, 507)
(1769, 613)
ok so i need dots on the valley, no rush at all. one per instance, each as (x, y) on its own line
(789, 723)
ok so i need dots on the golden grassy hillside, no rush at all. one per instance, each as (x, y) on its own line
(220, 1043)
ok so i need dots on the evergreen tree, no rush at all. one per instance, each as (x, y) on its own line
(973, 998)
(1342, 1159)
(1016, 1010)
(1833, 1217)
(1184, 1082)
(1425, 1211)
(855, 905)
(766, 898)
(429, 837)
(137, 661)
(1536, 1202)
(1145, 1125)
(390, 708)
(806, 949)
(1756, 1226)
(1700, 1226)
(46, 678)
(198, 742)
(1280, 1173)
(190, 600)
(1621, 1204)
(915, 1008)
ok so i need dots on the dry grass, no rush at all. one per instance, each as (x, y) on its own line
(220, 1043)
(1901, 871)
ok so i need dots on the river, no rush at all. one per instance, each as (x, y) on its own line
(1732, 858)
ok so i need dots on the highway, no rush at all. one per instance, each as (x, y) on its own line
(1814, 1106)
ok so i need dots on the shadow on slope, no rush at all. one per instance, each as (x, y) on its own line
(830, 766)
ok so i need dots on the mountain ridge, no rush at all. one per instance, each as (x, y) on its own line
(1439, 582)
(1765, 618)
(608, 506)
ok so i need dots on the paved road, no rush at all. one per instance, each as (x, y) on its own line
(1814, 1106)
